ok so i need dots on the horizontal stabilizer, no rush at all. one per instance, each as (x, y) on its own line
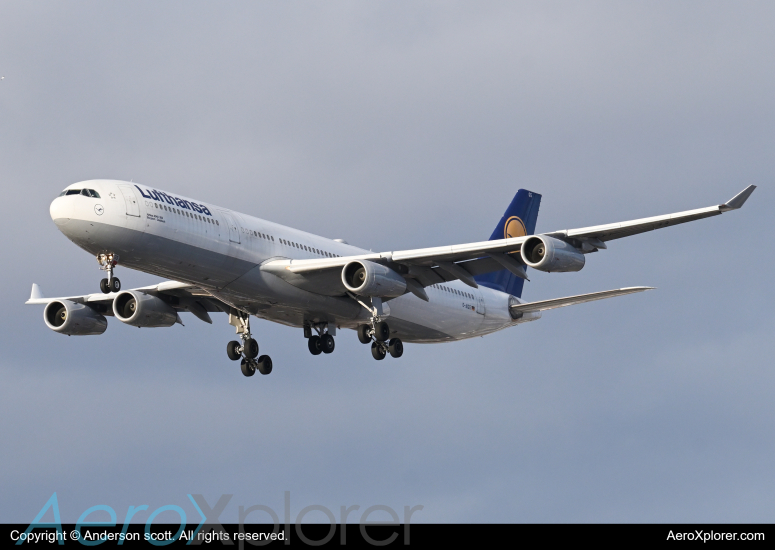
(573, 300)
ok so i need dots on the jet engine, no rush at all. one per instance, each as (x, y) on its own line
(548, 254)
(367, 278)
(143, 310)
(73, 319)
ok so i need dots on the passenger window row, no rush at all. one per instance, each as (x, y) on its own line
(193, 215)
(258, 234)
(85, 192)
(309, 249)
(454, 291)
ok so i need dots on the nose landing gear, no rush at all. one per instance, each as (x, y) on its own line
(248, 349)
(107, 263)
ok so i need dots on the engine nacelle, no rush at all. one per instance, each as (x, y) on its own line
(548, 254)
(143, 310)
(367, 278)
(73, 319)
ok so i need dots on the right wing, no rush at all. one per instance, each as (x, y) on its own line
(427, 266)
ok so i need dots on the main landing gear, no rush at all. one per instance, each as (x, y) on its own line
(378, 335)
(107, 263)
(247, 350)
(322, 342)
(378, 332)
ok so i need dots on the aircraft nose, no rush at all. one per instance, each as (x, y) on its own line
(61, 210)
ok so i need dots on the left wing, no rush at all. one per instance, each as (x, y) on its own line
(427, 266)
(180, 296)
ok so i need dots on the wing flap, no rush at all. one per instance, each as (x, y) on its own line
(554, 303)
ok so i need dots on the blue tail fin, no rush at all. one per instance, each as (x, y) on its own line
(519, 219)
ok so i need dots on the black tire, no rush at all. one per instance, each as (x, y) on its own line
(327, 343)
(381, 331)
(396, 348)
(114, 284)
(251, 348)
(264, 365)
(363, 334)
(104, 286)
(232, 350)
(248, 368)
(377, 352)
(314, 345)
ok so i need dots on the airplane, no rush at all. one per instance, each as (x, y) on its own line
(220, 260)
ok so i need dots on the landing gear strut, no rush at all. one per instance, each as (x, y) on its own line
(322, 342)
(107, 263)
(247, 350)
(378, 333)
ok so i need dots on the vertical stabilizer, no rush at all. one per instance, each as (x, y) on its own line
(518, 220)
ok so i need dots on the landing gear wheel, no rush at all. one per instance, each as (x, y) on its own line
(248, 368)
(363, 334)
(396, 348)
(114, 284)
(314, 345)
(381, 331)
(377, 351)
(104, 286)
(232, 350)
(251, 348)
(327, 343)
(264, 365)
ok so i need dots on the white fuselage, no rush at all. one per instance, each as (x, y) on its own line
(222, 251)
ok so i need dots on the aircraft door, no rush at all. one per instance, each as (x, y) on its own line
(233, 228)
(132, 208)
(480, 309)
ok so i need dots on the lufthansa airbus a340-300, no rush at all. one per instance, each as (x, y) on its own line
(220, 260)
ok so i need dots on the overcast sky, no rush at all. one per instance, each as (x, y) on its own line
(398, 125)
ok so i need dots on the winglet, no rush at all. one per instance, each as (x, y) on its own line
(738, 200)
(36, 294)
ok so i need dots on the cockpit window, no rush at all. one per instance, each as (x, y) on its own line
(87, 193)
(73, 192)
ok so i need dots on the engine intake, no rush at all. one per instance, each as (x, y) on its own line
(73, 319)
(367, 278)
(549, 254)
(143, 310)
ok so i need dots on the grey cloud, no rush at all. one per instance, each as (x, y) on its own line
(397, 125)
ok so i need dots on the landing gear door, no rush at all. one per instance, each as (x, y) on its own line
(480, 303)
(233, 228)
(132, 208)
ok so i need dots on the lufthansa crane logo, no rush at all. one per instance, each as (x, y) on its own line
(98, 209)
(514, 228)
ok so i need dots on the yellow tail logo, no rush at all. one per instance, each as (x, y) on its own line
(514, 227)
